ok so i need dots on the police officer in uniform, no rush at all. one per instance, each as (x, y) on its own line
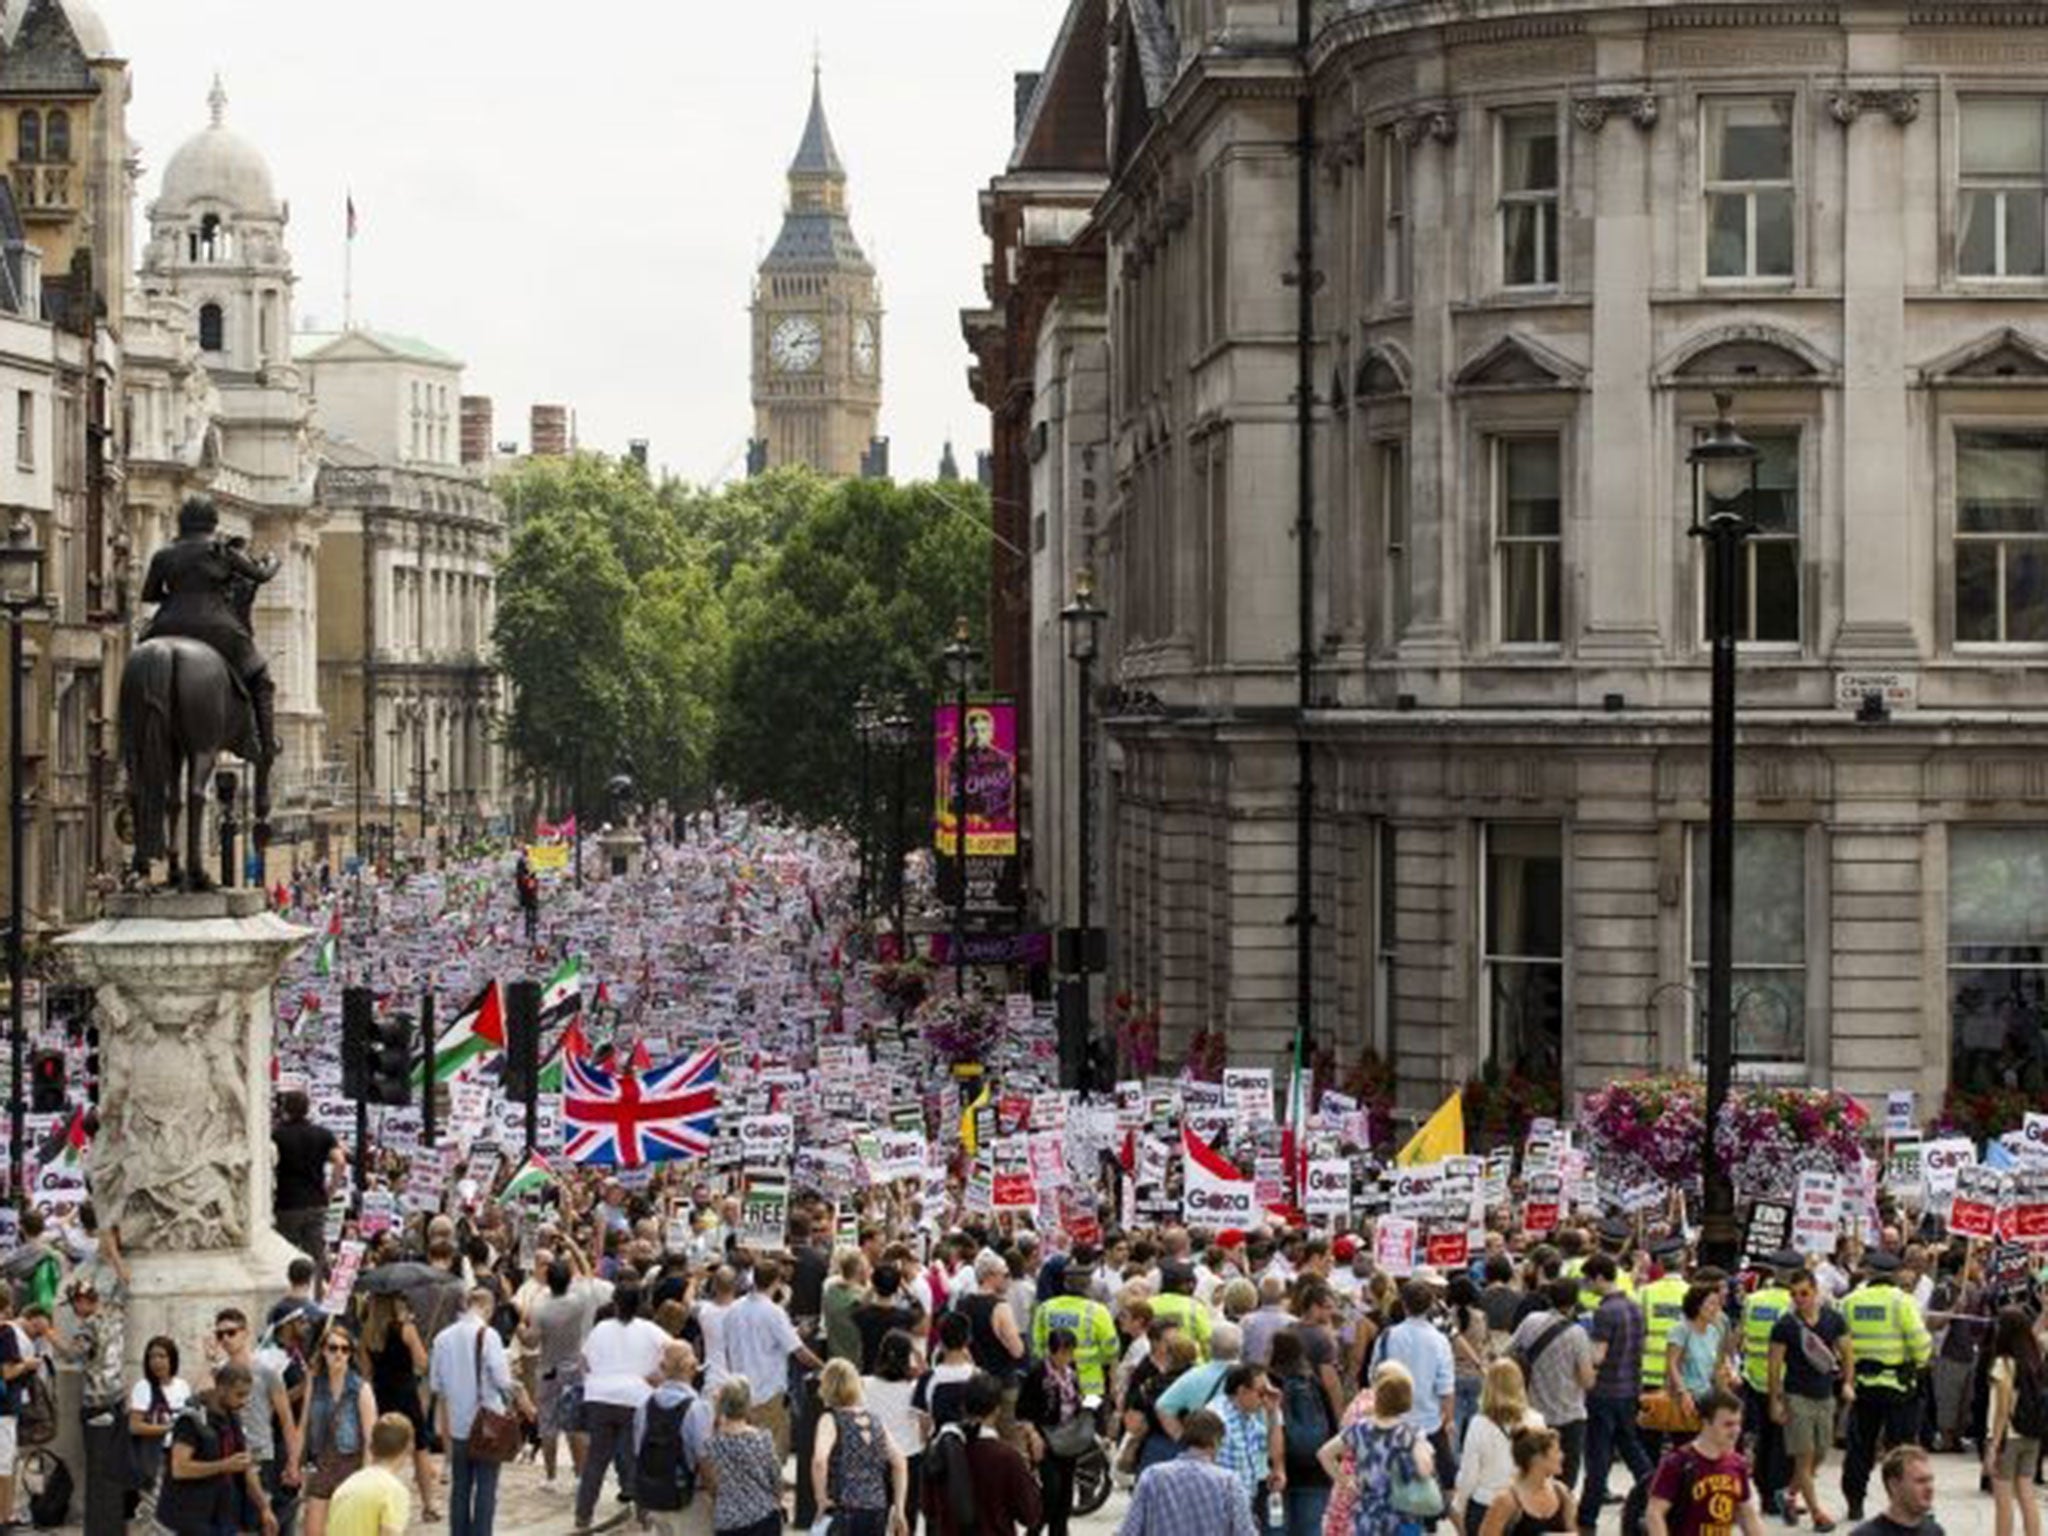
(1892, 1348)
(1094, 1330)
(1662, 1301)
(1176, 1304)
(1761, 1309)
(205, 585)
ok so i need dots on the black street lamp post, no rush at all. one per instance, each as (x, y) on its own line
(960, 656)
(1083, 618)
(362, 772)
(895, 729)
(1724, 468)
(866, 720)
(21, 593)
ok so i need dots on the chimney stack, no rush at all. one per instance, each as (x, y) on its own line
(550, 431)
(476, 431)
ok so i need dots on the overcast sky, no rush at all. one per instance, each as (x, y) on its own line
(573, 197)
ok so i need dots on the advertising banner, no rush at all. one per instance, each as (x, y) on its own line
(987, 768)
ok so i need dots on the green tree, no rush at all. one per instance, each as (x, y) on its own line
(861, 592)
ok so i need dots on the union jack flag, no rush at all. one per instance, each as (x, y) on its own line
(620, 1119)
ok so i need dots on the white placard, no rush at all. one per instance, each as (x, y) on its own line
(1327, 1190)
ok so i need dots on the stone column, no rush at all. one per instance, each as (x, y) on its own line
(182, 1161)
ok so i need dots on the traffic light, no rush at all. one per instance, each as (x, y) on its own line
(391, 1059)
(358, 1030)
(46, 1082)
(522, 1040)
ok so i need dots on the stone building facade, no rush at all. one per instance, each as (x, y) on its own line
(1547, 232)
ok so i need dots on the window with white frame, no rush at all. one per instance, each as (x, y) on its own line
(1768, 578)
(24, 429)
(1390, 463)
(1528, 198)
(1997, 955)
(1523, 950)
(1393, 217)
(2001, 537)
(2002, 173)
(1527, 522)
(1768, 946)
(1749, 187)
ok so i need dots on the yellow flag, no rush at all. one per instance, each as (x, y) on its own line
(967, 1137)
(1442, 1135)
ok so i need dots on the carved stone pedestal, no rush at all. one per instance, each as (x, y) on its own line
(182, 1160)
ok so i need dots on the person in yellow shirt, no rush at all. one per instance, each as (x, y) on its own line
(374, 1501)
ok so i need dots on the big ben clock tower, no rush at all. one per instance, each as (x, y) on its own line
(817, 325)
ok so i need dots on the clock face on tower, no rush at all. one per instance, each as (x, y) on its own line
(796, 345)
(864, 348)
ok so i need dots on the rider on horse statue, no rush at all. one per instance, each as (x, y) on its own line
(205, 585)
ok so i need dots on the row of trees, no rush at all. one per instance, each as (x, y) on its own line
(693, 638)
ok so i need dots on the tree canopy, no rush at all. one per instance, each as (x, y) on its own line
(694, 638)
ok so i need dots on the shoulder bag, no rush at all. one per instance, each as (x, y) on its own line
(494, 1435)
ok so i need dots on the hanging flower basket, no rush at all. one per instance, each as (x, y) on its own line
(1500, 1106)
(1136, 1031)
(962, 1030)
(1208, 1055)
(1645, 1129)
(902, 983)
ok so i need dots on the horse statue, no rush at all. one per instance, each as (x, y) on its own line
(194, 688)
(181, 708)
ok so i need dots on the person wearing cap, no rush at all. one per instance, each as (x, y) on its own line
(1094, 1330)
(1891, 1347)
(1663, 1304)
(1762, 1310)
(1176, 1304)
(95, 1346)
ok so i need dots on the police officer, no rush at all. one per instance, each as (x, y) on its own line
(205, 585)
(1093, 1328)
(1176, 1304)
(1771, 1300)
(1891, 1349)
(1662, 1301)
(1614, 1236)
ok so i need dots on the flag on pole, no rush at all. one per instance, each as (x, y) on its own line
(474, 1033)
(1294, 1134)
(330, 946)
(570, 1046)
(1442, 1135)
(561, 996)
(629, 1119)
(533, 1177)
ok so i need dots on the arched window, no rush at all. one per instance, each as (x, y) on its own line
(212, 329)
(28, 138)
(210, 245)
(59, 136)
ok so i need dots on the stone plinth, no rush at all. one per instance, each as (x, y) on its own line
(625, 853)
(182, 1160)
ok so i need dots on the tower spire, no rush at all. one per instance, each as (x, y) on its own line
(817, 155)
(217, 100)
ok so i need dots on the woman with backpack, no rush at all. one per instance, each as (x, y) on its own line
(1305, 1424)
(1486, 1461)
(1376, 1459)
(1058, 1424)
(340, 1408)
(858, 1476)
(2015, 1422)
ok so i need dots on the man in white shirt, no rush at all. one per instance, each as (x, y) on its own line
(759, 1342)
(621, 1364)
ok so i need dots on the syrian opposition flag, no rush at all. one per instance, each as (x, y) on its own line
(1214, 1195)
(330, 946)
(561, 997)
(533, 1176)
(474, 1033)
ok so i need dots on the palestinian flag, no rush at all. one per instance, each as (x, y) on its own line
(330, 946)
(475, 1032)
(572, 1043)
(533, 1177)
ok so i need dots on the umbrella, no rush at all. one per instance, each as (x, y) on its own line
(405, 1276)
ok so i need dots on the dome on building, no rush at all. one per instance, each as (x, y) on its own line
(218, 165)
(93, 38)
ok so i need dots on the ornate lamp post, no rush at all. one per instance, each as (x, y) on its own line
(960, 655)
(21, 594)
(1724, 469)
(1083, 619)
(895, 732)
(866, 721)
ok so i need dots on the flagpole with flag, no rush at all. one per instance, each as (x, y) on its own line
(1442, 1135)
(348, 270)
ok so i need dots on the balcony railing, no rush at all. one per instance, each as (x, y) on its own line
(43, 189)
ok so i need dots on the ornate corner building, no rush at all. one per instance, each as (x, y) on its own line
(1545, 234)
(817, 326)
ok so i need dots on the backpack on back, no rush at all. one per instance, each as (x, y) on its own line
(1305, 1426)
(665, 1479)
(2029, 1404)
(946, 1464)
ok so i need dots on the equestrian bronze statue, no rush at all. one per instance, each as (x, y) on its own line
(194, 688)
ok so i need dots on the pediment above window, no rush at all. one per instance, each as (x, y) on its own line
(1519, 363)
(1747, 354)
(1383, 370)
(2006, 357)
